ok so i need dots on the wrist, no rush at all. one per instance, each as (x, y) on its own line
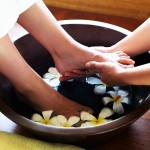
(124, 76)
(128, 76)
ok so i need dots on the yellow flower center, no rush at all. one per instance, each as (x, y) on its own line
(117, 99)
(98, 121)
(66, 125)
(45, 121)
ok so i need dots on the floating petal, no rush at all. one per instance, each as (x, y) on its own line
(126, 100)
(93, 80)
(55, 122)
(73, 120)
(49, 76)
(106, 100)
(106, 112)
(118, 108)
(47, 80)
(62, 119)
(36, 117)
(123, 93)
(55, 82)
(116, 88)
(100, 89)
(88, 124)
(47, 114)
(52, 70)
(112, 93)
(86, 116)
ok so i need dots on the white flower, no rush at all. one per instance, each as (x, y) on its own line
(44, 119)
(117, 97)
(62, 121)
(100, 87)
(93, 121)
(52, 77)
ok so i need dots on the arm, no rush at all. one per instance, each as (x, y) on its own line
(137, 42)
(134, 44)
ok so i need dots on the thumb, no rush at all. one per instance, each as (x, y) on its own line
(97, 66)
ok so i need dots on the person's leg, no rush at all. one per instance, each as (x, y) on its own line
(66, 52)
(29, 84)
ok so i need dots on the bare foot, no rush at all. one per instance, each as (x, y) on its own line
(43, 97)
(75, 57)
(123, 59)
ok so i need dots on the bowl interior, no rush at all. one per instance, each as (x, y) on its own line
(40, 60)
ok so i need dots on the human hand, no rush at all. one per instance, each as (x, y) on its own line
(76, 74)
(124, 60)
(107, 71)
(110, 73)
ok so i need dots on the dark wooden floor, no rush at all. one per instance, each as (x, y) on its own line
(62, 14)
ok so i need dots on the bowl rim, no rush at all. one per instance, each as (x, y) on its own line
(75, 22)
(94, 23)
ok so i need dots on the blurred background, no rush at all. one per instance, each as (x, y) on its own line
(125, 13)
(125, 8)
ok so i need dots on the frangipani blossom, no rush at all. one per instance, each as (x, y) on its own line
(62, 121)
(44, 119)
(52, 77)
(93, 121)
(100, 87)
(117, 97)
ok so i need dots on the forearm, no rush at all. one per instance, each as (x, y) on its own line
(139, 75)
(44, 27)
(137, 42)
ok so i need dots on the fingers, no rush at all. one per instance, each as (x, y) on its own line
(70, 75)
(126, 61)
(81, 72)
(130, 66)
(75, 74)
(121, 54)
(65, 78)
(95, 66)
(126, 66)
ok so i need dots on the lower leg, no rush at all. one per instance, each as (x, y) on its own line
(29, 84)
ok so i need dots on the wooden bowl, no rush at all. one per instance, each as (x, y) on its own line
(90, 33)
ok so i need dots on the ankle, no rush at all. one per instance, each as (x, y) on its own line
(62, 49)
